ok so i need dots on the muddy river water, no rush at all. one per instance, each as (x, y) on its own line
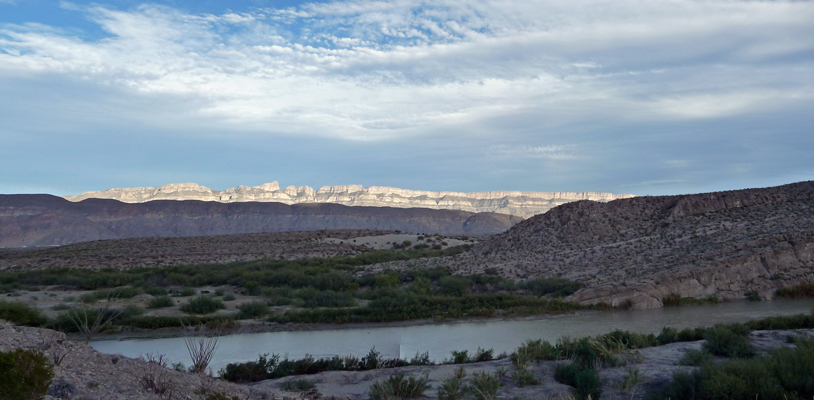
(440, 338)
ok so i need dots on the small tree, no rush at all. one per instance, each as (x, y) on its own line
(24, 374)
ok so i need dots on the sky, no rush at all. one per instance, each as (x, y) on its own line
(648, 97)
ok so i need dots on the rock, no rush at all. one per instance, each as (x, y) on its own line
(62, 390)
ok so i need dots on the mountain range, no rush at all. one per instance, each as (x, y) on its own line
(46, 220)
(523, 204)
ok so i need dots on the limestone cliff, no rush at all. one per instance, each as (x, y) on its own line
(524, 204)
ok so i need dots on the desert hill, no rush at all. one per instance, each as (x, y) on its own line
(524, 204)
(45, 220)
(643, 249)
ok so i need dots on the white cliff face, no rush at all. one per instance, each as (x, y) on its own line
(524, 204)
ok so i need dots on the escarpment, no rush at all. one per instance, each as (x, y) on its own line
(524, 204)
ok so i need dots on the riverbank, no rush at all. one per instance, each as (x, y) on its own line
(83, 372)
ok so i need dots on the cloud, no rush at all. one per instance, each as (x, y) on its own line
(374, 70)
(550, 152)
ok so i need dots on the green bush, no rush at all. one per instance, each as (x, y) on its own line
(786, 373)
(523, 376)
(21, 314)
(695, 358)
(254, 309)
(557, 287)
(460, 357)
(483, 386)
(729, 340)
(160, 302)
(24, 375)
(156, 291)
(399, 386)
(228, 297)
(451, 389)
(187, 291)
(202, 305)
(584, 379)
(482, 355)
(798, 291)
(297, 385)
(454, 286)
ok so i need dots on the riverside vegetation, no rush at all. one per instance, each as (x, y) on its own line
(308, 290)
(727, 366)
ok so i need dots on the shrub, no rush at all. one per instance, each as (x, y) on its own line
(584, 380)
(421, 359)
(695, 358)
(160, 302)
(482, 355)
(249, 371)
(557, 287)
(524, 377)
(786, 373)
(130, 311)
(535, 350)
(297, 385)
(186, 292)
(454, 286)
(729, 340)
(800, 290)
(753, 296)
(156, 291)
(460, 356)
(483, 386)
(630, 380)
(21, 314)
(671, 300)
(228, 297)
(24, 375)
(254, 309)
(399, 386)
(451, 389)
(590, 352)
(202, 305)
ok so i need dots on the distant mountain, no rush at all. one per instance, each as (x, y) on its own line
(644, 249)
(43, 220)
(524, 204)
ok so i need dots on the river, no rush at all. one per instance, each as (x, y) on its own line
(439, 339)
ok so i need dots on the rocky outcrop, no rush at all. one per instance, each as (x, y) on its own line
(80, 372)
(44, 220)
(523, 204)
(645, 248)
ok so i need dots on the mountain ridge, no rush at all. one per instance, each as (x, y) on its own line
(45, 220)
(524, 204)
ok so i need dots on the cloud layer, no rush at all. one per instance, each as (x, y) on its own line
(566, 81)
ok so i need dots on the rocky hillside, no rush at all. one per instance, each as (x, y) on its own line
(523, 204)
(44, 220)
(646, 248)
